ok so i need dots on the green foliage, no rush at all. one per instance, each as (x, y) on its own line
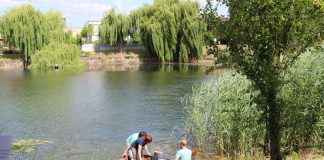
(114, 28)
(136, 38)
(22, 28)
(76, 40)
(66, 56)
(68, 38)
(29, 30)
(302, 94)
(55, 25)
(223, 117)
(167, 25)
(214, 25)
(27, 145)
(265, 38)
(87, 31)
(96, 42)
(27, 148)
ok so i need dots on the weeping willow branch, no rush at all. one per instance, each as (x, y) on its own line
(170, 29)
(114, 28)
(29, 30)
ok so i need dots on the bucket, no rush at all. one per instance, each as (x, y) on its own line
(157, 155)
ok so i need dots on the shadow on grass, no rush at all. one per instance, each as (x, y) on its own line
(12, 56)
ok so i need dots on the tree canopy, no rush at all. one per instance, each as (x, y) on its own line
(170, 29)
(56, 26)
(114, 28)
(87, 31)
(265, 37)
(29, 30)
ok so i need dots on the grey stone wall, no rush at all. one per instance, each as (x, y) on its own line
(106, 47)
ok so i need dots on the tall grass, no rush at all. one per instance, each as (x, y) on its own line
(224, 118)
(303, 98)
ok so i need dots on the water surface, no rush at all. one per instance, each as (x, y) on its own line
(90, 114)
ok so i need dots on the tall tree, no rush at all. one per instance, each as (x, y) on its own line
(29, 30)
(212, 20)
(114, 28)
(265, 37)
(23, 27)
(56, 25)
(171, 29)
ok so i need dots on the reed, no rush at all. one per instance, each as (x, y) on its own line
(225, 116)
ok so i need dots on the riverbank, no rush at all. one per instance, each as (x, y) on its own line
(94, 60)
(131, 57)
(11, 62)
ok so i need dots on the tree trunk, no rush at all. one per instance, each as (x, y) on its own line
(274, 127)
(121, 47)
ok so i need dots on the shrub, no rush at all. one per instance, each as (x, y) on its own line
(222, 116)
(66, 56)
(303, 99)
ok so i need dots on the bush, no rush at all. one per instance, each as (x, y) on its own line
(303, 99)
(223, 116)
(66, 56)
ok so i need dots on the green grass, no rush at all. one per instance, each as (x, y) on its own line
(10, 57)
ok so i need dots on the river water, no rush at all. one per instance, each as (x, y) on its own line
(88, 115)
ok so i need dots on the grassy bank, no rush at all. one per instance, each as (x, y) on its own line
(10, 57)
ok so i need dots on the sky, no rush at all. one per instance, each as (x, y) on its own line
(77, 12)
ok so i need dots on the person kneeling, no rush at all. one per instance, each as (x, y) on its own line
(132, 138)
(139, 146)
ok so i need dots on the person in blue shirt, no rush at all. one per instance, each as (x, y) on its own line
(139, 146)
(184, 153)
(132, 138)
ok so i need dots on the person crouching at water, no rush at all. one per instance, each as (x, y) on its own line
(132, 138)
(140, 146)
(184, 153)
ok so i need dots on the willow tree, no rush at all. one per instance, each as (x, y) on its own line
(171, 29)
(29, 30)
(55, 24)
(114, 28)
(23, 27)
